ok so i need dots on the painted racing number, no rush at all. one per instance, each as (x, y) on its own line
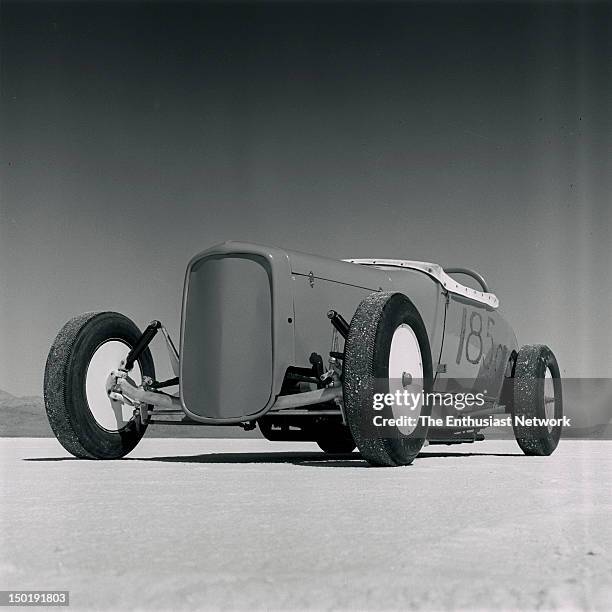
(476, 340)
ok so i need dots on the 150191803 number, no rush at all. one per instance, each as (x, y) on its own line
(34, 598)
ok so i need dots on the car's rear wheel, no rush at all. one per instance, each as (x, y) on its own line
(387, 350)
(537, 395)
(85, 420)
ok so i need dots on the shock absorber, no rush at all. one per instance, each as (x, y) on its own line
(141, 344)
(339, 322)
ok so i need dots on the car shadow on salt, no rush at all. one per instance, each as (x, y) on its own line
(307, 459)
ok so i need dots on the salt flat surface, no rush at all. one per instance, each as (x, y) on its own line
(250, 524)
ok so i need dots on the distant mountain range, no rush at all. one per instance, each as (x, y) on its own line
(24, 417)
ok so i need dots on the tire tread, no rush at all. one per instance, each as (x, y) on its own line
(55, 383)
(530, 366)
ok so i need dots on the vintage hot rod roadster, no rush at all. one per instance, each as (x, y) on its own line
(302, 346)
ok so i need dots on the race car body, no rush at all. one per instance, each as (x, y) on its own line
(258, 310)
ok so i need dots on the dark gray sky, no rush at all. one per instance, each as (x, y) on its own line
(134, 135)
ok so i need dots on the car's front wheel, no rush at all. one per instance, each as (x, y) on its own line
(85, 420)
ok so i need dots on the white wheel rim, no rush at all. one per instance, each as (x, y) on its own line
(109, 414)
(406, 373)
(549, 397)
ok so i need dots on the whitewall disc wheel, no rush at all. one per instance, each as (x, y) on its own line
(111, 415)
(549, 397)
(406, 373)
